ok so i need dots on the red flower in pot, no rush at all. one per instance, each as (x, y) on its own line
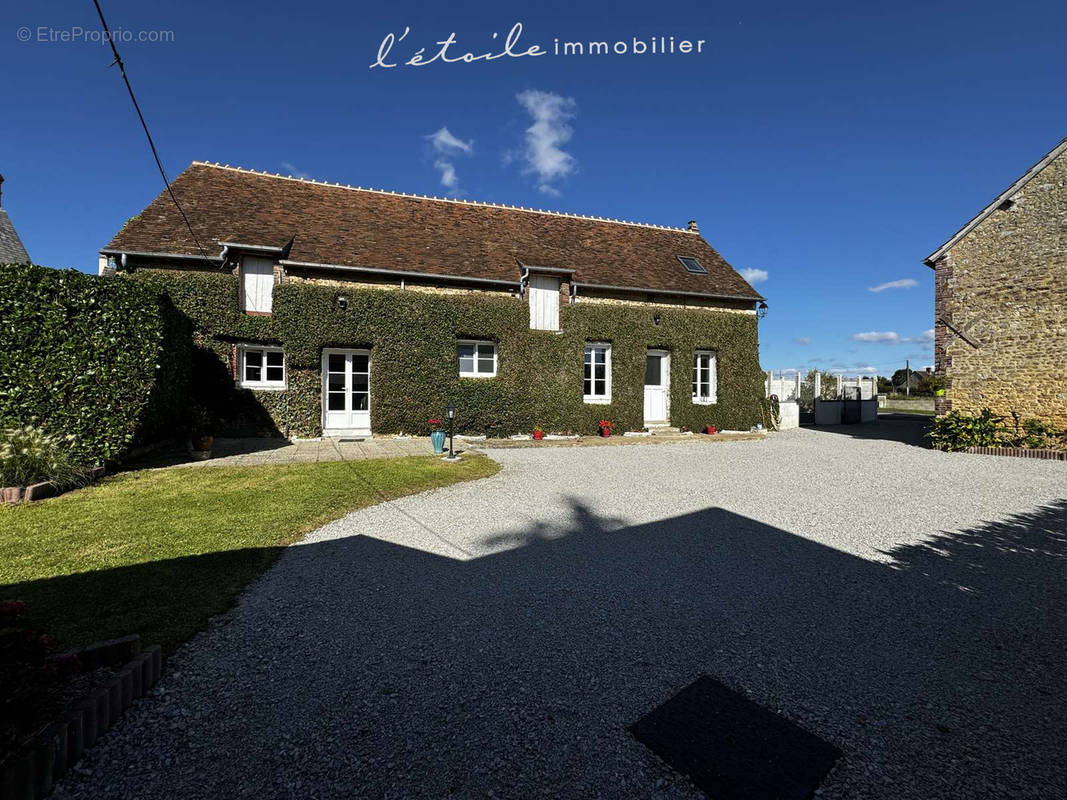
(606, 426)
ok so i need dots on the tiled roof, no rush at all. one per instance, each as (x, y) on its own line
(11, 248)
(356, 227)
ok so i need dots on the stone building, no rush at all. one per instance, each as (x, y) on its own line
(336, 310)
(12, 250)
(1000, 332)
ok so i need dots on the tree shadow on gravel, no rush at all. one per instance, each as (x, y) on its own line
(361, 667)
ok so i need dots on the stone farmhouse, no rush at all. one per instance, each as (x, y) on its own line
(323, 309)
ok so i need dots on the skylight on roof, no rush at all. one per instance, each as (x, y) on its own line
(692, 265)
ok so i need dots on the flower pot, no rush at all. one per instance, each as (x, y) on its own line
(709, 430)
(437, 438)
(203, 443)
(605, 431)
(539, 435)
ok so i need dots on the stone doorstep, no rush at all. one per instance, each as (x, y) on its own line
(31, 772)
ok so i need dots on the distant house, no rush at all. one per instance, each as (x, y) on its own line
(348, 311)
(12, 250)
(1000, 332)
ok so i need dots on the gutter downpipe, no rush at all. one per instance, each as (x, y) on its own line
(524, 279)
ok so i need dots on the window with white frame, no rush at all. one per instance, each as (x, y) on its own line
(262, 367)
(476, 359)
(705, 379)
(596, 387)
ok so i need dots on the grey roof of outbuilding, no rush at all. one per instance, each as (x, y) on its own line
(12, 250)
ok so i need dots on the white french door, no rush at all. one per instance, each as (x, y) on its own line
(657, 387)
(345, 392)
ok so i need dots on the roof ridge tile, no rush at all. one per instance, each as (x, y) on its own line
(453, 200)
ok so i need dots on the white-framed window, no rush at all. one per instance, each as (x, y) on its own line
(705, 377)
(596, 384)
(476, 359)
(262, 367)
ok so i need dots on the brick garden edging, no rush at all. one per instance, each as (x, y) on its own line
(1020, 452)
(31, 772)
(40, 491)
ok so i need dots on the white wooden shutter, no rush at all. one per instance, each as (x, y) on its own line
(257, 284)
(544, 303)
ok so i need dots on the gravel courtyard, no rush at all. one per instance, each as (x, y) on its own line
(494, 639)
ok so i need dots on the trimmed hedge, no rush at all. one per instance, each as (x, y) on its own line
(104, 361)
(412, 335)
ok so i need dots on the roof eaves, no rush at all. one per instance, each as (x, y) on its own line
(114, 251)
(673, 292)
(397, 273)
(1027, 176)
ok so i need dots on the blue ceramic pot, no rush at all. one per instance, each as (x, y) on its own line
(438, 439)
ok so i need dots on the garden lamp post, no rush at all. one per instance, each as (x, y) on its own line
(451, 411)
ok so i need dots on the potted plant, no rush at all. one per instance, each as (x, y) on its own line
(201, 432)
(437, 435)
(606, 426)
(709, 430)
(538, 434)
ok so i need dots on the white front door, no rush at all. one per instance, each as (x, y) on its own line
(657, 387)
(345, 392)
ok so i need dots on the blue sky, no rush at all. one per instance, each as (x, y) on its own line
(827, 145)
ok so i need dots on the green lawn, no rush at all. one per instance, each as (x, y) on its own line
(160, 552)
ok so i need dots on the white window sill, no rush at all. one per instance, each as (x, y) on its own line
(264, 387)
(597, 401)
(477, 375)
(705, 401)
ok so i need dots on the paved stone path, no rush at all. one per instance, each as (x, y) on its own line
(254, 451)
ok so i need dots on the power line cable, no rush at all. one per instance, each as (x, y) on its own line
(151, 144)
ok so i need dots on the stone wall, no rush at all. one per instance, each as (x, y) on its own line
(1003, 288)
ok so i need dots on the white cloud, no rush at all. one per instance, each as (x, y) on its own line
(445, 146)
(544, 155)
(443, 141)
(924, 338)
(903, 283)
(877, 336)
(754, 275)
(448, 173)
(803, 340)
(296, 173)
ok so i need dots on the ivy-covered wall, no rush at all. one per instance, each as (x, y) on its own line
(103, 362)
(412, 336)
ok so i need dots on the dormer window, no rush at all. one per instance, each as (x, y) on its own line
(692, 265)
(544, 303)
(257, 285)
